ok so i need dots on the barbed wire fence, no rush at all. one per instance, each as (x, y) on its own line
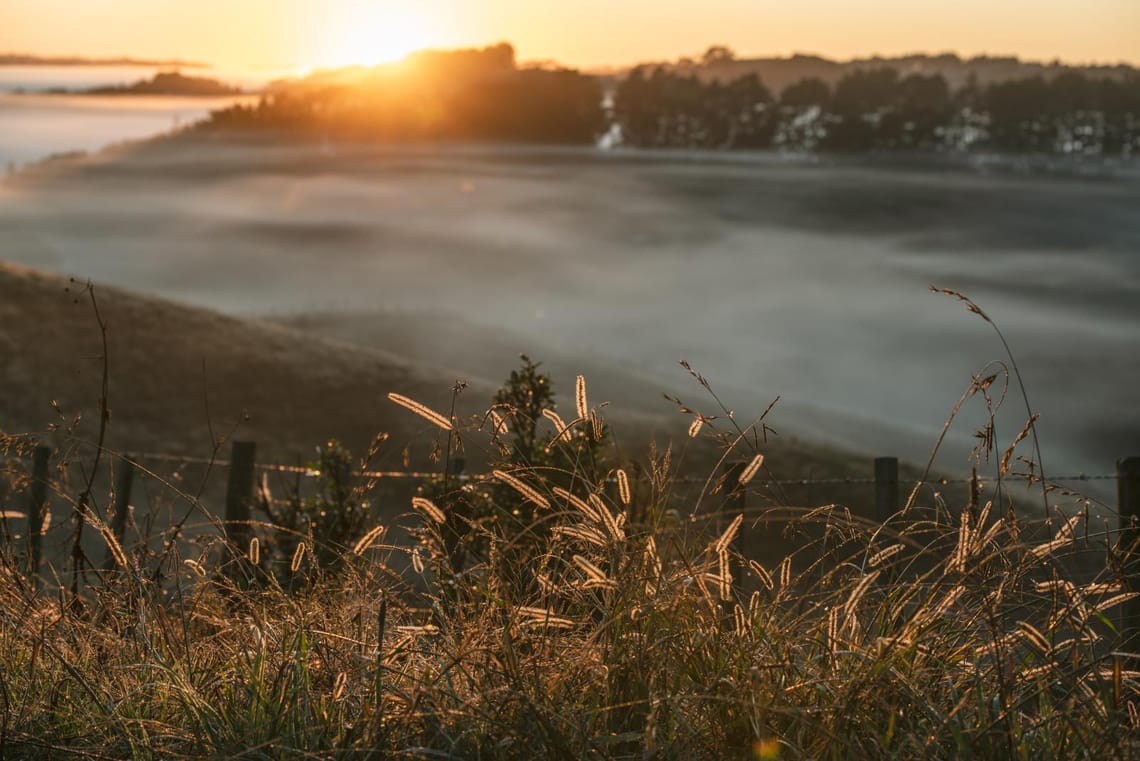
(236, 523)
(419, 475)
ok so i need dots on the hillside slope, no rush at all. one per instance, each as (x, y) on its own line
(179, 375)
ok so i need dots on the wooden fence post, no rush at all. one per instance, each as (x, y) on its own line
(36, 502)
(1128, 492)
(886, 488)
(239, 494)
(975, 495)
(124, 479)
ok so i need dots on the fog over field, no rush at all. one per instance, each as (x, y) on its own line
(773, 276)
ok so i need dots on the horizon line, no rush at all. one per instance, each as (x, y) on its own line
(71, 59)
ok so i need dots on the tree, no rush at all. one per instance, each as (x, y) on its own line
(717, 55)
(861, 100)
(923, 105)
(811, 91)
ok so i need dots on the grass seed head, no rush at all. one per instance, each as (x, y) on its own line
(429, 508)
(623, 487)
(522, 488)
(753, 468)
(580, 397)
(422, 410)
(367, 540)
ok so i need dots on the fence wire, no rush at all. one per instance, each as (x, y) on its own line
(421, 475)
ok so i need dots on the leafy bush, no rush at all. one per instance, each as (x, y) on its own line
(327, 522)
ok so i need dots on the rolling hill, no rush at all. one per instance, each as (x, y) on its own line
(180, 377)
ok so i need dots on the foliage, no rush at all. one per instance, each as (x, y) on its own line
(877, 109)
(330, 520)
(661, 108)
(458, 94)
(527, 434)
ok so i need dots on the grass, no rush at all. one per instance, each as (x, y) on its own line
(598, 610)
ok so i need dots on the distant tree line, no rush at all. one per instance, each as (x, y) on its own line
(168, 83)
(879, 109)
(482, 94)
(477, 94)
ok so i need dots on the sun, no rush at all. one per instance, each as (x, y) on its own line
(368, 33)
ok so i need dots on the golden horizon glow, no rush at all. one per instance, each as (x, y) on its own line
(370, 33)
(291, 34)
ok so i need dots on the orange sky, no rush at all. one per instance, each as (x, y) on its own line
(288, 34)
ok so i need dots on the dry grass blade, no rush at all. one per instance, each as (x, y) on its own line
(113, 545)
(533, 616)
(623, 487)
(561, 429)
(722, 543)
(857, 594)
(1007, 456)
(298, 558)
(583, 533)
(522, 488)
(762, 574)
(885, 554)
(1112, 602)
(498, 423)
(724, 575)
(429, 508)
(580, 397)
(196, 567)
(422, 410)
(608, 519)
(579, 505)
(596, 577)
(1065, 536)
(785, 573)
(751, 470)
(367, 540)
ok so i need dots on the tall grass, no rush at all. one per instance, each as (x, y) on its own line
(611, 625)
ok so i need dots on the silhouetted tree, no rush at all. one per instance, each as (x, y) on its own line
(1019, 115)
(456, 94)
(812, 91)
(718, 54)
(665, 109)
(922, 105)
(861, 100)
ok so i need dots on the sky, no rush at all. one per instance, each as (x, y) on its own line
(300, 34)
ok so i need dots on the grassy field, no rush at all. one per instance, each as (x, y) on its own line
(579, 601)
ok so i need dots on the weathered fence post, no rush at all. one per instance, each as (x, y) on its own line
(975, 495)
(124, 479)
(886, 487)
(37, 500)
(239, 494)
(1128, 492)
